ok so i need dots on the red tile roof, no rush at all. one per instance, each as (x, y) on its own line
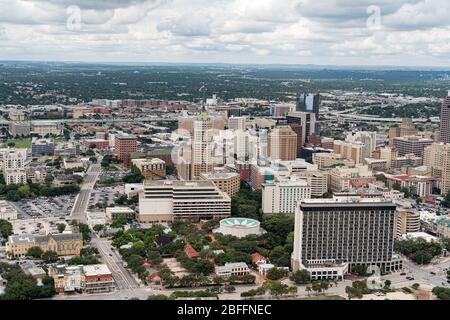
(190, 251)
(257, 257)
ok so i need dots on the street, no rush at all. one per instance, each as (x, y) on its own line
(124, 280)
(82, 201)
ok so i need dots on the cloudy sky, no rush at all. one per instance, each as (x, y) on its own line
(343, 32)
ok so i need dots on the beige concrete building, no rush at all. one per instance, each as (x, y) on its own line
(7, 211)
(445, 182)
(64, 244)
(228, 182)
(152, 168)
(411, 145)
(406, 220)
(112, 213)
(44, 128)
(349, 150)
(317, 181)
(433, 155)
(405, 129)
(386, 153)
(325, 160)
(344, 178)
(282, 144)
(168, 200)
(202, 147)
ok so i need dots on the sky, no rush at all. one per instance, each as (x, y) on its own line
(325, 32)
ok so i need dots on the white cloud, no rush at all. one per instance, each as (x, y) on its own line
(263, 31)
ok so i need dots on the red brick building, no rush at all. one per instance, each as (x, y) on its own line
(99, 144)
(124, 146)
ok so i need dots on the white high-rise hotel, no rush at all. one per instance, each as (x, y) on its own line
(283, 196)
(332, 235)
(14, 166)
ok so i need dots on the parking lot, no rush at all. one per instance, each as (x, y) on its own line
(104, 196)
(40, 226)
(45, 207)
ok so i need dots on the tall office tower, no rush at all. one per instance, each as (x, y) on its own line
(349, 150)
(433, 155)
(241, 147)
(282, 144)
(445, 184)
(124, 145)
(444, 131)
(308, 103)
(368, 139)
(14, 166)
(406, 128)
(299, 132)
(186, 124)
(202, 147)
(306, 120)
(344, 231)
(411, 144)
(237, 123)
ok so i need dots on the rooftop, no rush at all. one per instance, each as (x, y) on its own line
(96, 269)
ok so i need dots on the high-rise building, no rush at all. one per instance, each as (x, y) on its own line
(237, 123)
(411, 145)
(444, 133)
(433, 155)
(14, 171)
(308, 103)
(151, 168)
(445, 183)
(282, 196)
(406, 128)
(307, 120)
(342, 178)
(344, 231)
(349, 150)
(202, 146)
(368, 139)
(297, 128)
(282, 144)
(228, 182)
(168, 200)
(406, 220)
(124, 145)
(42, 147)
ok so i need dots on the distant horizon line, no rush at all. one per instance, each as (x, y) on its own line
(307, 65)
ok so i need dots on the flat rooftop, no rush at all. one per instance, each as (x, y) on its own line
(346, 201)
(179, 184)
(96, 269)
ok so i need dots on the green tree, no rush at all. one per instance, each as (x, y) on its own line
(61, 227)
(360, 270)
(276, 273)
(301, 277)
(98, 227)
(6, 228)
(50, 256)
(35, 252)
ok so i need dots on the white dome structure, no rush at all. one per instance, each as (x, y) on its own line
(239, 227)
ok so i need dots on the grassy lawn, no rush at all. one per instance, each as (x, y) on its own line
(323, 298)
(21, 143)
